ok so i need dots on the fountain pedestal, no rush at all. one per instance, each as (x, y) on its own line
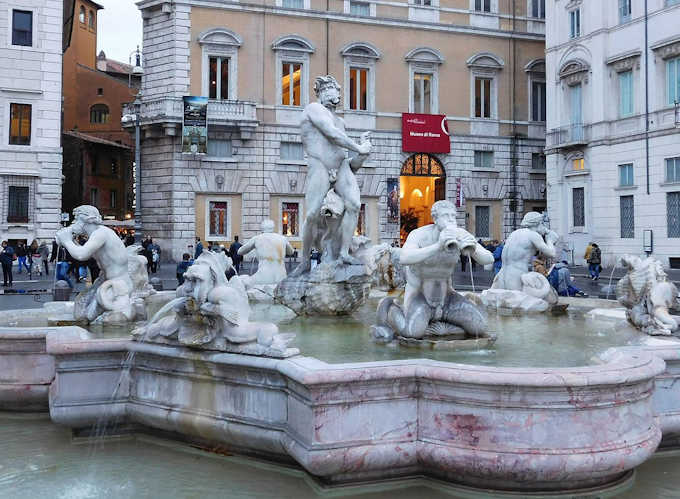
(331, 288)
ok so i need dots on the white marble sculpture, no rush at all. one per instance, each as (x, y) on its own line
(647, 295)
(332, 201)
(211, 312)
(112, 297)
(332, 197)
(431, 305)
(270, 250)
(515, 287)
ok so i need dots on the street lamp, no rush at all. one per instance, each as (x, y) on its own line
(137, 69)
(138, 170)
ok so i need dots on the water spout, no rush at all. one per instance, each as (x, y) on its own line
(472, 279)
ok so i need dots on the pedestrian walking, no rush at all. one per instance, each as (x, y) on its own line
(22, 254)
(199, 248)
(182, 267)
(594, 262)
(62, 269)
(7, 257)
(236, 259)
(498, 258)
(44, 252)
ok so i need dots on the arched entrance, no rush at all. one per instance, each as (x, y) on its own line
(421, 183)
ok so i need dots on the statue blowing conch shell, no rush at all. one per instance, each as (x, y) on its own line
(211, 312)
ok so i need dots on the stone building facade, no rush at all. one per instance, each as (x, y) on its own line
(30, 119)
(482, 69)
(613, 141)
(98, 153)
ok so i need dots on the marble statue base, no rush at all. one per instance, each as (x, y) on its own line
(222, 345)
(263, 306)
(516, 301)
(330, 288)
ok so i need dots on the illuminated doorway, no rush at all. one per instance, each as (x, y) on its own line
(422, 182)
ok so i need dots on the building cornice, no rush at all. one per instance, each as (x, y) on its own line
(667, 48)
(625, 61)
(341, 17)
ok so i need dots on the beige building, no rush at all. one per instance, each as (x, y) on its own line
(474, 61)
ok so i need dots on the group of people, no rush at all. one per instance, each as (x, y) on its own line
(33, 258)
(231, 252)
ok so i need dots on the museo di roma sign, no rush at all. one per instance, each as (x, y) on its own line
(424, 133)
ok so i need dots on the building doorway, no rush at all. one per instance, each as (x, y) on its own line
(422, 182)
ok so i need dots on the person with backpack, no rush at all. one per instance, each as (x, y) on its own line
(7, 256)
(594, 262)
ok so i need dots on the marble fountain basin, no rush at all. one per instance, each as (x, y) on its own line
(502, 427)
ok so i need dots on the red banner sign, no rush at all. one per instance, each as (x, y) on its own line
(424, 133)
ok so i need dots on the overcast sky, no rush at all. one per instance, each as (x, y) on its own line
(119, 29)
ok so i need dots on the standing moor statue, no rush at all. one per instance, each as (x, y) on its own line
(332, 197)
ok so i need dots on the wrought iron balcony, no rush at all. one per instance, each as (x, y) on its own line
(574, 135)
(168, 112)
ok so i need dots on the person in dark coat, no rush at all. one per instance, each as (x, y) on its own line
(182, 267)
(236, 259)
(199, 248)
(594, 262)
(7, 259)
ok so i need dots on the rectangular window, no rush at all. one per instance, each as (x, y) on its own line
(538, 161)
(575, 23)
(292, 151)
(578, 164)
(482, 221)
(218, 219)
(673, 170)
(538, 9)
(537, 101)
(626, 93)
(219, 78)
(290, 219)
(93, 197)
(291, 73)
(673, 213)
(579, 206)
(361, 222)
(422, 2)
(673, 81)
(483, 5)
(219, 148)
(22, 28)
(484, 159)
(624, 12)
(293, 4)
(358, 84)
(17, 210)
(112, 198)
(626, 175)
(360, 8)
(422, 92)
(483, 97)
(20, 124)
(672, 2)
(627, 210)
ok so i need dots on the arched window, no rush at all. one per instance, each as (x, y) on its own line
(99, 113)
(81, 16)
(422, 164)
(90, 21)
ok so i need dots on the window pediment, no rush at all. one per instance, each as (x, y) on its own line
(574, 71)
(486, 60)
(220, 37)
(535, 66)
(670, 47)
(293, 43)
(625, 62)
(361, 49)
(425, 55)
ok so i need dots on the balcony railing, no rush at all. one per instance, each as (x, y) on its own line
(576, 134)
(169, 110)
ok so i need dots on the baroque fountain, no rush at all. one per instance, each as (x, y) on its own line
(557, 404)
